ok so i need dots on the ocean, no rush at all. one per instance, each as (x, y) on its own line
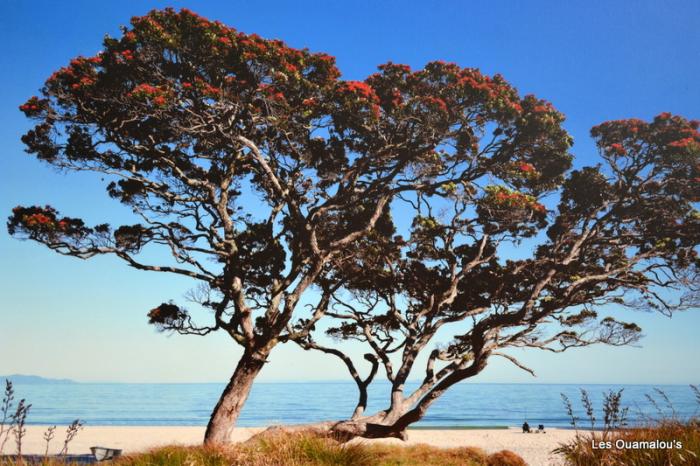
(464, 405)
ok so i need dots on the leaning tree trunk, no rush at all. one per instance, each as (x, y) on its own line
(384, 424)
(223, 418)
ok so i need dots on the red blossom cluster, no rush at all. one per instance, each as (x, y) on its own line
(80, 73)
(84, 81)
(145, 89)
(666, 130)
(526, 167)
(156, 95)
(683, 143)
(290, 68)
(224, 41)
(157, 27)
(397, 68)
(272, 92)
(617, 148)
(31, 106)
(127, 55)
(40, 219)
(292, 72)
(324, 57)
(634, 124)
(435, 102)
(254, 44)
(362, 89)
(476, 81)
(37, 219)
(207, 89)
(505, 198)
(494, 88)
(396, 98)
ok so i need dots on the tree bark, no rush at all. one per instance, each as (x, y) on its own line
(340, 430)
(389, 423)
(234, 396)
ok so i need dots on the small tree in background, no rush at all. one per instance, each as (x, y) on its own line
(264, 175)
(624, 234)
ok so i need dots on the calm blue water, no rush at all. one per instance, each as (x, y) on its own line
(466, 404)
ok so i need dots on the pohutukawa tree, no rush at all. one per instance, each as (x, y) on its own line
(270, 182)
(624, 234)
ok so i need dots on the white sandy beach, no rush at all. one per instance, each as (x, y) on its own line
(534, 448)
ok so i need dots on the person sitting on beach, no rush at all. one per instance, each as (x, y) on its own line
(540, 428)
(526, 428)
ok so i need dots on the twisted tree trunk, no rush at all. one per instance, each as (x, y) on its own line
(340, 430)
(392, 422)
(234, 396)
(378, 425)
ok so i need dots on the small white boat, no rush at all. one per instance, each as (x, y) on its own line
(103, 453)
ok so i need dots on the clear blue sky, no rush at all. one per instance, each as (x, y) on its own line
(595, 60)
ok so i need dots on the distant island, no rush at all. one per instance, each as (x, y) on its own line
(32, 379)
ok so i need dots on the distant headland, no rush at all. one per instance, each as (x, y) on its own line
(32, 379)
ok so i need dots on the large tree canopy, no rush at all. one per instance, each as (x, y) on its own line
(260, 170)
(265, 176)
(624, 234)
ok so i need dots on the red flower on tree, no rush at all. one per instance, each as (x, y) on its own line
(32, 106)
(159, 100)
(526, 167)
(682, 143)
(127, 55)
(145, 89)
(38, 220)
(289, 68)
(437, 102)
(396, 98)
(362, 89)
(155, 95)
(617, 149)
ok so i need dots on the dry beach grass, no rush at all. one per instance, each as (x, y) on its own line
(534, 448)
(301, 449)
(640, 446)
(161, 446)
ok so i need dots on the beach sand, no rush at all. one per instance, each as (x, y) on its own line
(534, 448)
